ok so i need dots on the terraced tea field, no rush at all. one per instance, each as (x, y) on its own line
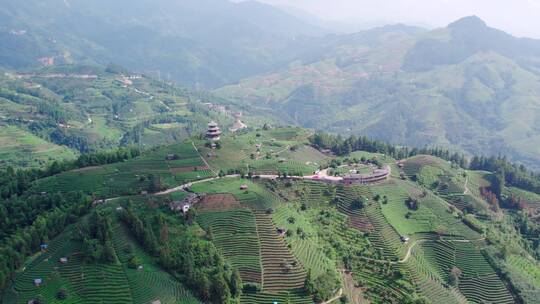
(305, 246)
(235, 234)
(281, 270)
(357, 217)
(479, 282)
(91, 282)
(131, 177)
(23, 149)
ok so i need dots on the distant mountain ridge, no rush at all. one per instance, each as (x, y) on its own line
(467, 37)
(205, 42)
(467, 87)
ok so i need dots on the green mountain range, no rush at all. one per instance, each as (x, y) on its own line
(468, 87)
(197, 42)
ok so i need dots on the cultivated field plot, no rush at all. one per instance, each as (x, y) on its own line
(268, 297)
(238, 151)
(275, 166)
(306, 155)
(432, 286)
(21, 148)
(357, 216)
(89, 283)
(132, 176)
(413, 165)
(233, 151)
(218, 202)
(235, 234)
(255, 197)
(281, 270)
(432, 214)
(479, 282)
(458, 187)
(303, 241)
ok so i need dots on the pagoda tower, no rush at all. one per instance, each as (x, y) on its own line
(213, 133)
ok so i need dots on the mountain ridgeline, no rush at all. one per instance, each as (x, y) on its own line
(197, 42)
(467, 87)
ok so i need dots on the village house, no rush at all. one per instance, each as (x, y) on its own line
(184, 205)
(38, 282)
(64, 260)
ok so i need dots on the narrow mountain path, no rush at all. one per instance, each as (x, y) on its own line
(413, 244)
(338, 295)
(466, 191)
(204, 160)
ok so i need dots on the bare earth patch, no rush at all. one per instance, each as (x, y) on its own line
(355, 294)
(218, 202)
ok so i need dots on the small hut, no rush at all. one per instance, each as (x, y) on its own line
(64, 260)
(244, 187)
(172, 157)
(38, 282)
(43, 246)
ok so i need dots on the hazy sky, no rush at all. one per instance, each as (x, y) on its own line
(518, 17)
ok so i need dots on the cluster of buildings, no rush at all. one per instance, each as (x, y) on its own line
(377, 175)
(184, 205)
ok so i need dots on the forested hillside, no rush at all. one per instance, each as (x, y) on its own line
(467, 87)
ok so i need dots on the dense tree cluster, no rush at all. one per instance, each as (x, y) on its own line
(322, 287)
(507, 172)
(192, 259)
(15, 182)
(340, 146)
(20, 212)
(27, 239)
(95, 233)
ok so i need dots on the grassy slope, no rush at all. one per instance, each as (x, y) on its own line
(23, 149)
(131, 177)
